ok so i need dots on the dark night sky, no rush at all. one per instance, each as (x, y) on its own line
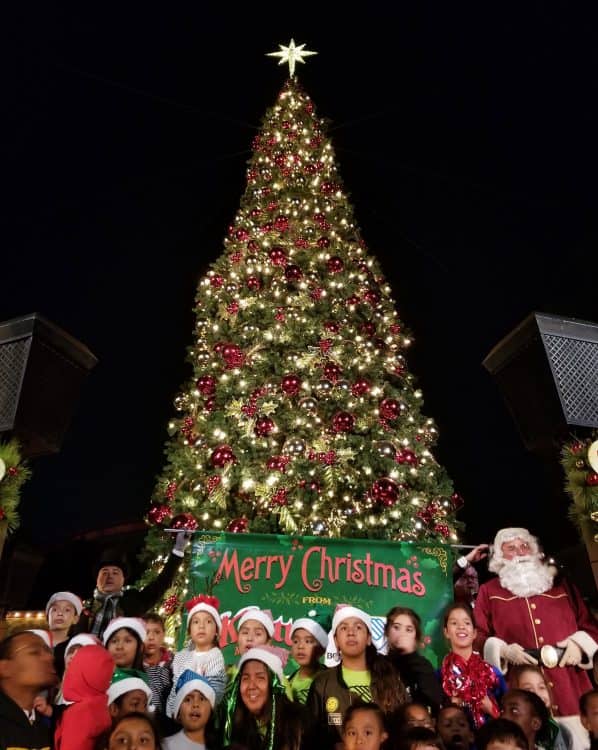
(467, 139)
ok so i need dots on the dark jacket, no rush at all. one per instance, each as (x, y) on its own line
(134, 602)
(17, 732)
(419, 678)
(328, 699)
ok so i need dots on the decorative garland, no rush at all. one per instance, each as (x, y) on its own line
(580, 463)
(13, 474)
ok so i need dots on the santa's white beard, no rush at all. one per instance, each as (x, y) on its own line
(526, 576)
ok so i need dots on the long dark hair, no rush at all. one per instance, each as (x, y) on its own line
(387, 688)
(138, 660)
(412, 615)
(135, 715)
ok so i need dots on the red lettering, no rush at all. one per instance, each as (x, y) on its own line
(316, 584)
(419, 588)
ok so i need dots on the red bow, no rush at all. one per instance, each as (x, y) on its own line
(211, 601)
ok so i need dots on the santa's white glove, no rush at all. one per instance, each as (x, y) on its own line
(180, 543)
(516, 654)
(573, 655)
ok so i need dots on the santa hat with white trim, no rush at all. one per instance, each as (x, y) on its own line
(125, 680)
(341, 613)
(269, 656)
(83, 639)
(203, 603)
(187, 683)
(263, 616)
(65, 596)
(316, 623)
(132, 623)
(45, 635)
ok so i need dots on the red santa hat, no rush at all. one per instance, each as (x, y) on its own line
(65, 596)
(497, 559)
(204, 603)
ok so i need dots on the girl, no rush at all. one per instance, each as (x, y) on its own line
(361, 673)
(255, 627)
(529, 677)
(128, 693)
(258, 714)
(134, 731)
(528, 710)
(193, 708)
(363, 727)
(202, 654)
(467, 680)
(124, 639)
(403, 635)
(308, 644)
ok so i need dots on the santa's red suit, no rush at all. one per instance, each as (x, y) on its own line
(527, 608)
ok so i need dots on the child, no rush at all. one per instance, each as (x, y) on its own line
(128, 693)
(467, 680)
(403, 635)
(76, 642)
(202, 654)
(420, 738)
(363, 727)
(255, 628)
(124, 639)
(588, 711)
(527, 710)
(500, 734)
(308, 644)
(193, 708)
(415, 715)
(134, 731)
(360, 671)
(157, 661)
(85, 684)
(530, 677)
(62, 613)
(454, 728)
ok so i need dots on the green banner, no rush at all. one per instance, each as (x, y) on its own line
(288, 575)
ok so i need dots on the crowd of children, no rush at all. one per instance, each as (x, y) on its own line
(128, 691)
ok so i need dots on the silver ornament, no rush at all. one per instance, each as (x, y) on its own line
(294, 446)
(309, 403)
(324, 388)
(385, 449)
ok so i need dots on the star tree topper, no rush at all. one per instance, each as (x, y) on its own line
(291, 55)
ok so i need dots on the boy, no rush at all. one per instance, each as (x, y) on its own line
(454, 728)
(588, 713)
(309, 638)
(500, 734)
(62, 613)
(157, 661)
(528, 710)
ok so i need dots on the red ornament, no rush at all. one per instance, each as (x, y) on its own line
(327, 187)
(592, 479)
(236, 257)
(290, 384)
(360, 387)
(332, 326)
(281, 223)
(328, 458)
(277, 256)
(171, 490)
(325, 345)
(213, 482)
(343, 421)
(280, 314)
(238, 526)
(206, 385)
(371, 297)
(335, 264)
(316, 294)
(219, 346)
(278, 463)
(442, 529)
(2, 514)
(280, 498)
(264, 426)
(254, 283)
(457, 501)
(186, 521)
(242, 235)
(233, 308)
(170, 604)
(209, 404)
(216, 281)
(293, 273)
(222, 455)
(368, 328)
(395, 329)
(390, 408)
(332, 371)
(324, 242)
(385, 492)
(253, 246)
(406, 456)
(352, 300)
(158, 515)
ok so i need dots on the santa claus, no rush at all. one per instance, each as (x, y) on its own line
(528, 616)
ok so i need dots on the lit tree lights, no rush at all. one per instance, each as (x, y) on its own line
(300, 416)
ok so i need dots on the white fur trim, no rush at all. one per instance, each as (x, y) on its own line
(312, 627)
(45, 635)
(492, 653)
(125, 686)
(588, 645)
(83, 639)
(332, 656)
(255, 613)
(65, 596)
(133, 623)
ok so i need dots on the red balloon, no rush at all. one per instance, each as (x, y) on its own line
(222, 455)
(390, 408)
(343, 421)
(186, 521)
(335, 264)
(158, 515)
(206, 384)
(290, 384)
(385, 492)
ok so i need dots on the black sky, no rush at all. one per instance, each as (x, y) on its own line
(466, 138)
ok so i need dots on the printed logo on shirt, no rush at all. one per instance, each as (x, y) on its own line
(331, 704)
(335, 720)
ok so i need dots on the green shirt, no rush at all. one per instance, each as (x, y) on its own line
(300, 686)
(359, 682)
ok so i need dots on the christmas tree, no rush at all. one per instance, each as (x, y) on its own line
(300, 415)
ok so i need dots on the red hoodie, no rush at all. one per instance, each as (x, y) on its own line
(85, 683)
